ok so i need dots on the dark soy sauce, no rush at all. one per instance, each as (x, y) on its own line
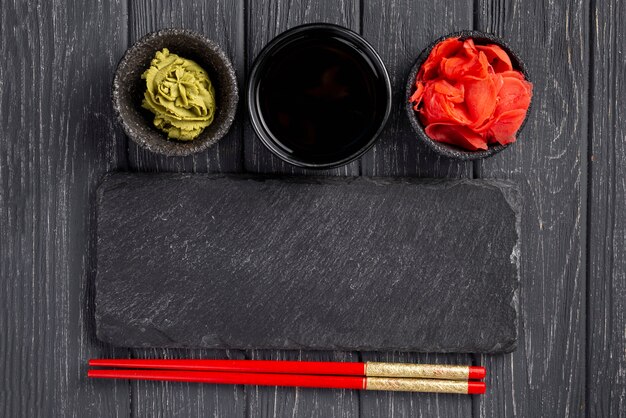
(321, 99)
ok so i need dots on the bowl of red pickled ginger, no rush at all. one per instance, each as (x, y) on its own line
(468, 95)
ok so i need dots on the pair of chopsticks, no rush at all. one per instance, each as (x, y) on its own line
(440, 378)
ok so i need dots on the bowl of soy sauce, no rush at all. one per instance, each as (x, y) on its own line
(318, 96)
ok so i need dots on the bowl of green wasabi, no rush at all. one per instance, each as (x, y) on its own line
(175, 92)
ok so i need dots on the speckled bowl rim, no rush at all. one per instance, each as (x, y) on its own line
(253, 80)
(200, 144)
(440, 147)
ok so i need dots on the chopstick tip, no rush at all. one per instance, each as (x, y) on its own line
(477, 372)
(476, 388)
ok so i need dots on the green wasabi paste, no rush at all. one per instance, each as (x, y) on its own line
(180, 94)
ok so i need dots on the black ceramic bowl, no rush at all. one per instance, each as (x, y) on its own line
(129, 88)
(447, 149)
(319, 142)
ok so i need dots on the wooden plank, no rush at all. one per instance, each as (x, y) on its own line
(606, 362)
(546, 375)
(267, 19)
(56, 140)
(264, 21)
(399, 30)
(221, 21)
(266, 401)
(180, 399)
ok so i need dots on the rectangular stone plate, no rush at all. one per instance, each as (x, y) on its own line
(349, 264)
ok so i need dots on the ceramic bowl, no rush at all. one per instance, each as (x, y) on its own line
(129, 88)
(319, 33)
(446, 149)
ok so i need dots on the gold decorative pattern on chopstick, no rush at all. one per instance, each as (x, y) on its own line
(416, 385)
(424, 371)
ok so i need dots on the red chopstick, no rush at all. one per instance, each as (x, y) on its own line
(427, 371)
(317, 381)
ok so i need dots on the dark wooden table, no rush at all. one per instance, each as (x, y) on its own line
(58, 137)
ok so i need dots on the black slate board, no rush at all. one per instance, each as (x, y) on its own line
(351, 264)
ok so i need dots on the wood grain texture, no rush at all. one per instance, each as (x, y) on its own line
(399, 30)
(186, 400)
(222, 22)
(56, 139)
(546, 375)
(277, 402)
(267, 19)
(606, 332)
